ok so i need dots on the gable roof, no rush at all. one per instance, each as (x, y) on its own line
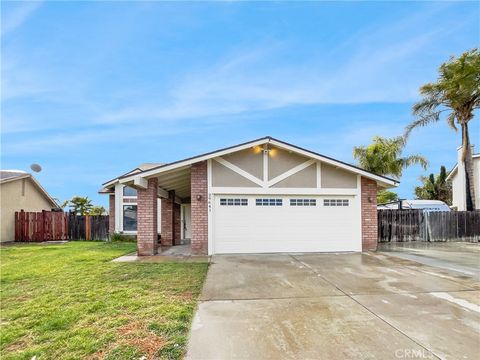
(14, 175)
(265, 140)
(455, 168)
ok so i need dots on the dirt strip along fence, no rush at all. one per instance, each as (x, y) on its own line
(417, 225)
(51, 225)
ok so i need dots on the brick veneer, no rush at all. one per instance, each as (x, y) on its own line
(147, 231)
(199, 208)
(111, 214)
(167, 229)
(369, 214)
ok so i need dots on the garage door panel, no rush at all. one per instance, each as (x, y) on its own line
(286, 228)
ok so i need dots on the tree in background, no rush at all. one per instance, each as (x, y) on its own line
(79, 205)
(384, 157)
(386, 196)
(435, 187)
(455, 96)
(97, 210)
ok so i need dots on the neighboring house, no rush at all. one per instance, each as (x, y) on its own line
(20, 190)
(425, 205)
(457, 177)
(261, 196)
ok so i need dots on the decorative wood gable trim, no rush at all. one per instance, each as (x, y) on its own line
(239, 171)
(290, 172)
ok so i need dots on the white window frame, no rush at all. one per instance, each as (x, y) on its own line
(129, 232)
(127, 196)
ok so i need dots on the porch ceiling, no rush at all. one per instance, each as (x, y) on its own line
(177, 180)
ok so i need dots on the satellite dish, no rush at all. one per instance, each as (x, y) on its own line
(35, 167)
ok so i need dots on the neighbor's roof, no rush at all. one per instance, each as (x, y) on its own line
(137, 170)
(265, 140)
(454, 170)
(13, 175)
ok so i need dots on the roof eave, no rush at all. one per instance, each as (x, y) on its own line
(387, 182)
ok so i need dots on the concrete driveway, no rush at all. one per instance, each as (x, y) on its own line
(334, 306)
(463, 257)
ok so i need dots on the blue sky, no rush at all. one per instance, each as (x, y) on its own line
(92, 89)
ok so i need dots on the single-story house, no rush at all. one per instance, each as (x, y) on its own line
(20, 191)
(457, 177)
(262, 196)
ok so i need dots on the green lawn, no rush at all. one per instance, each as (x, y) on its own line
(69, 302)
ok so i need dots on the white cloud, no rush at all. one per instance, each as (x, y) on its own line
(376, 69)
(373, 65)
(16, 17)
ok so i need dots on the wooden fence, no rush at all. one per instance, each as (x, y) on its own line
(416, 225)
(88, 227)
(50, 225)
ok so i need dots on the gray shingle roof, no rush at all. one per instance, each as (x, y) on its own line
(10, 174)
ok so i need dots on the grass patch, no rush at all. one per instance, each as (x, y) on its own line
(69, 302)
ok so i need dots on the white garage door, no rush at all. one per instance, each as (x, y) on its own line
(262, 224)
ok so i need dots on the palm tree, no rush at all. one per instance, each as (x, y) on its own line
(455, 96)
(435, 187)
(383, 157)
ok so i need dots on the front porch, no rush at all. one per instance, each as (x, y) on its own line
(177, 253)
(183, 193)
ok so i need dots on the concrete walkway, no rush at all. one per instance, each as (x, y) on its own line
(334, 306)
(462, 257)
(177, 253)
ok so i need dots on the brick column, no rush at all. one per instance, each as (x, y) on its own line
(111, 214)
(199, 208)
(147, 234)
(369, 215)
(167, 228)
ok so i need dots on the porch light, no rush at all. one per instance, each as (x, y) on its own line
(199, 197)
(257, 149)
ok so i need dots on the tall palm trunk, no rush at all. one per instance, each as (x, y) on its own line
(467, 160)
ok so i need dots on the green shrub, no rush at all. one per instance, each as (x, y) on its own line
(123, 238)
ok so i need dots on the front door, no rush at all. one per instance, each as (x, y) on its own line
(186, 222)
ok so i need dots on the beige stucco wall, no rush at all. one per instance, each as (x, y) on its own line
(337, 178)
(11, 200)
(279, 162)
(306, 178)
(250, 160)
(224, 177)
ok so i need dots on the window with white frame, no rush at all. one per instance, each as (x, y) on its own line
(129, 217)
(303, 202)
(268, 202)
(336, 202)
(233, 202)
(129, 191)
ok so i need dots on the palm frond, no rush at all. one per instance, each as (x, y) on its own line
(415, 160)
(451, 121)
(420, 122)
(426, 105)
